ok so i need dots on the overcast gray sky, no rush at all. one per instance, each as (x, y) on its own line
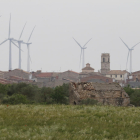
(57, 21)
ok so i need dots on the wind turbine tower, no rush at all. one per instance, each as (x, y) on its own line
(129, 51)
(82, 51)
(19, 44)
(10, 47)
(28, 49)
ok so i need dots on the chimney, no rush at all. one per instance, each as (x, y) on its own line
(38, 71)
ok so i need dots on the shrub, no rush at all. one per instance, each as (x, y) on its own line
(60, 95)
(135, 97)
(15, 99)
(129, 90)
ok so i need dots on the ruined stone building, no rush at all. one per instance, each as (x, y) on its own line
(106, 94)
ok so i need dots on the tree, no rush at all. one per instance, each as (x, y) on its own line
(47, 92)
(59, 95)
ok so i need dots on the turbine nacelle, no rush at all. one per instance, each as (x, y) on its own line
(83, 48)
(10, 38)
(82, 51)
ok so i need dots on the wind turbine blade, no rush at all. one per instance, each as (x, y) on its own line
(77, 43)
(22, 31)
(16, 45)
(127, 60)
(80, 57)
(31, 35)
(9, 26)
(4, 41)
(124, 43)
(135, 45)
(86, 43)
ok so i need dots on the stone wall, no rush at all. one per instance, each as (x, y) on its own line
(107, 94)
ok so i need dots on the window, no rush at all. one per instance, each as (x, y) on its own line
(108, 59)
(103, 59)
(121, 76)
(116, 76)
(110, 75)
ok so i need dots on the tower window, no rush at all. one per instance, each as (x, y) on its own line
(103, 59)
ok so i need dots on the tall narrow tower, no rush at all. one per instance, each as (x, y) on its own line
(105, 63)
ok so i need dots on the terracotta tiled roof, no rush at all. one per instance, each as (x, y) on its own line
(114, 72)
(43, 75)
(89, 73)
(5, 81)
(15, 78)
(72, 71)
(136, 73)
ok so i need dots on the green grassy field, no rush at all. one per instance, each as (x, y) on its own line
(65, 122)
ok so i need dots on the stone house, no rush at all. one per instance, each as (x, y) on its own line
(134, 80)
(17, 72)
(107, 94)
(44, 76)
(97, 79)
(6, 81)
(119, 76)
(53, 79)
(71, 75)
(19, 79)
(67, 77)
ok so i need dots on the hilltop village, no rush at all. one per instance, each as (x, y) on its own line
(88, 74)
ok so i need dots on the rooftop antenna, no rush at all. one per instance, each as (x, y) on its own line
(129, 52)
(82, 51)
(11, 41)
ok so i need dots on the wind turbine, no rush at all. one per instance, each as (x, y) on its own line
(19, 44)
(28, 49)
(10, 47)
(82, 50)
(129, 51)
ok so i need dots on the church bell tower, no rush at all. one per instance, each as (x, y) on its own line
(105, 63)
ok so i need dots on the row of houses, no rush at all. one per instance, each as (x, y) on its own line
(53, 79)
